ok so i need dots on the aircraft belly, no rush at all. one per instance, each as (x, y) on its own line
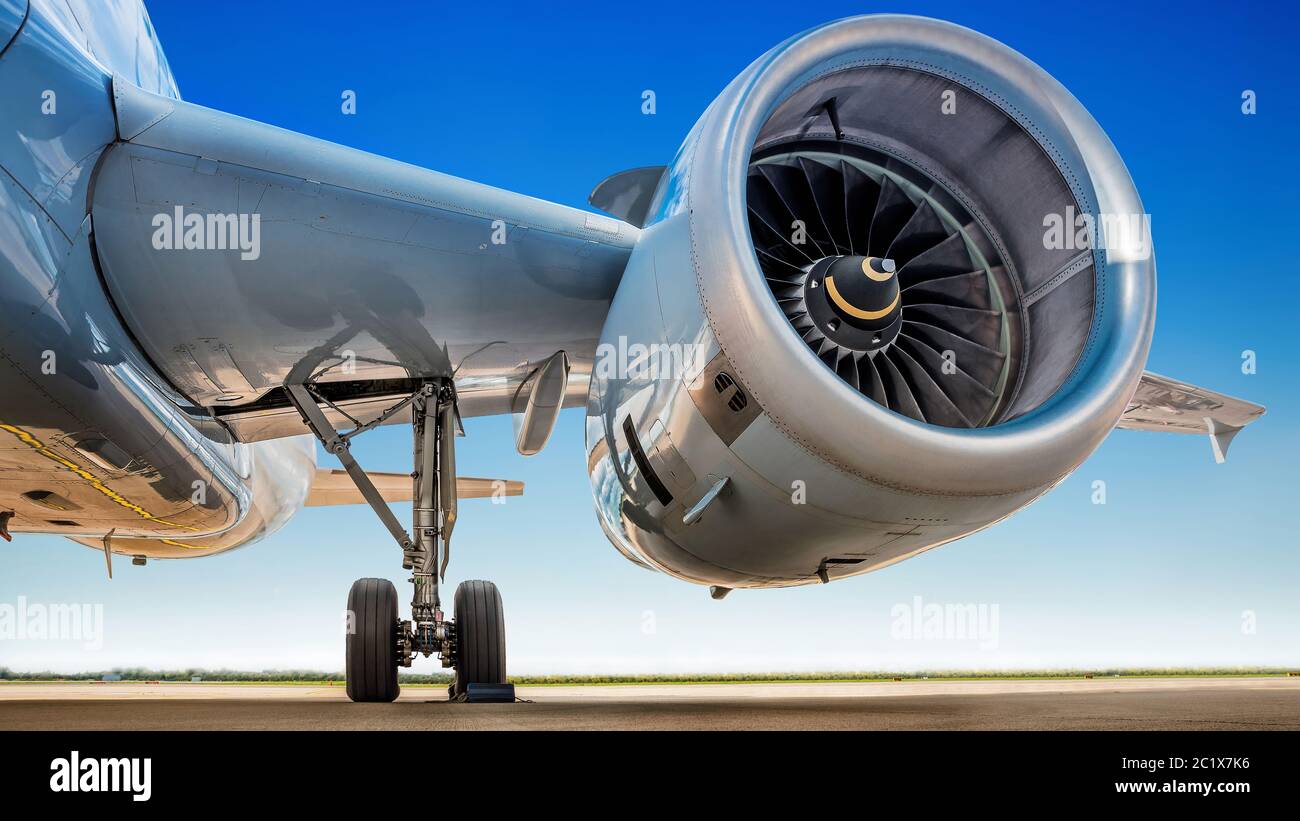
(93, 439)
(89, 440)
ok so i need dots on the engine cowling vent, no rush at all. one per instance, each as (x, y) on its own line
(890, 283)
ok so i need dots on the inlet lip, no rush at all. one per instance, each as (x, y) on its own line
(808, 402)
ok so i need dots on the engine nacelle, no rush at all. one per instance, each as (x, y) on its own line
(896, 284)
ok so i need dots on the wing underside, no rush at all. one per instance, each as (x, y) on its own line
(244, 258)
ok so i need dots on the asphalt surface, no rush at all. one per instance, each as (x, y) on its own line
(1156, 703)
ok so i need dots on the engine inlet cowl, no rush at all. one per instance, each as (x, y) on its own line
(1001, 360)
(893, 356)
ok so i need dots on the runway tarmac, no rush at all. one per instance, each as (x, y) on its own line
(1072, 704)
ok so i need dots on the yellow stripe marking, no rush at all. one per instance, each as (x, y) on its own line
(186, 546)
(857, 312)
(44, 450)
(871, 272)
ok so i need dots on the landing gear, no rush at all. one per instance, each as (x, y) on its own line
(474, 644)
(480, 637)
(371, 658)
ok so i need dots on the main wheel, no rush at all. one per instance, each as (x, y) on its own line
(372, 641)
(480, 636)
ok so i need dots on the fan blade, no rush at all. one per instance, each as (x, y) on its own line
(775, 267)
(794, 194)
(982, 327)
(792, 307)
(935, 404)
(963, 390)
(893, 209)
(984, 364)
(847, 368)
(775, 239)
(965, 290)
(762, 200)
(829, 352)
(869, 377)
(899, 394)
(860, 196)
(923, 231)
(945, 259)
(802, 322)
(828, 195)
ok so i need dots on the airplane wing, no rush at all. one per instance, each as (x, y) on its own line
(335, 487)
(1164, 404)
(308, 262)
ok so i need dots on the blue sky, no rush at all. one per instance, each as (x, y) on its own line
(546, 101)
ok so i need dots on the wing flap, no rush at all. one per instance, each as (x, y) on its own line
(1167, 405)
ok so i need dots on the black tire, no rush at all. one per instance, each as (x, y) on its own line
(480, 636)
(371, 657)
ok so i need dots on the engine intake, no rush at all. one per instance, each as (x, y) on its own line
(857, 234)
(930, 144)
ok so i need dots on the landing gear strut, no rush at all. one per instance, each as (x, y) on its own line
(377, 642)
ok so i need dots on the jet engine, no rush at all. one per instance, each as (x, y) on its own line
(896, 284)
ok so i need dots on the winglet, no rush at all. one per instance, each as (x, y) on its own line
(1220, 437)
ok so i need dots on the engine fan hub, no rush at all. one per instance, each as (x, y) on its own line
(889, 279)
(855, 300)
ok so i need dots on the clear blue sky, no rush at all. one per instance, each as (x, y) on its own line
(546, 101)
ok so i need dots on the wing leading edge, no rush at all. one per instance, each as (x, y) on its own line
(1164, 404)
